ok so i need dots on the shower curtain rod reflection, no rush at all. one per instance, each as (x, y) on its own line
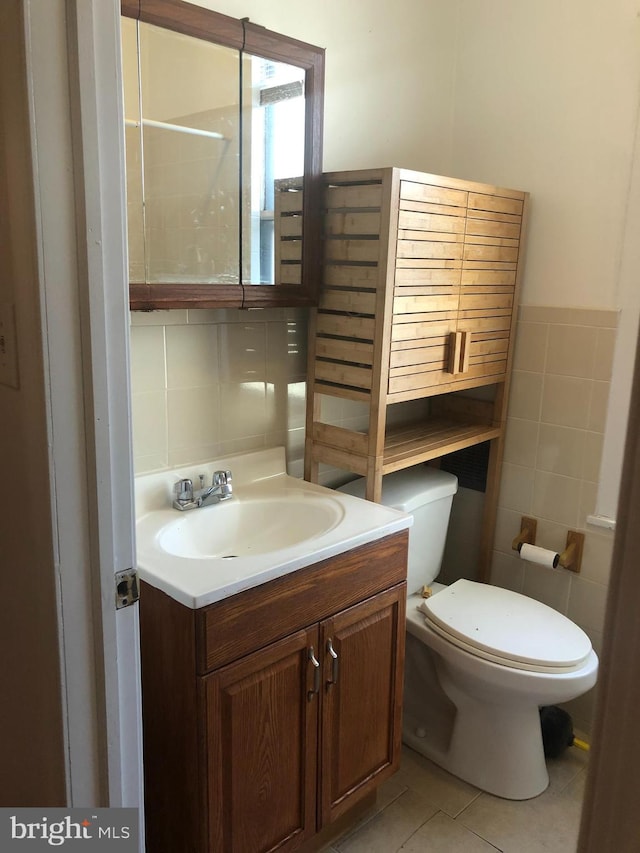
(180, 128)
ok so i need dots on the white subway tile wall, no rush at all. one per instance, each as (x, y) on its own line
(213, 382)
(553, 447)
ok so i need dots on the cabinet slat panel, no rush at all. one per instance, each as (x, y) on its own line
(470, 302)
(368, 195)
(488, 313)
(487, 290)
(408, 267)
(489, 228)
(290, 274)
(430, 193)
(428, 208)
(488, 324)
(339, 350)
(290, 226)
(488, 277)
(496, 266)
(437, 350)
(337, 275)
(489, 253)
(352, 224)
(415, 221)
(343, 374)
(431, 236)
(500, 204)
(337, 249)
(426, 290)
(489, 215)
(413, 331)
(291, 250)
(435, 317)
(354, 301)
(341, 438)
(347, 327)
(426, 277)
(344, 459)
(429, 249)
(482, 240)
(407, 305)
(291, 201)
(491, 346)
(422, 380)
(340, 391)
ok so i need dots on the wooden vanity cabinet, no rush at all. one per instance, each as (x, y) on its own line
(269, 715)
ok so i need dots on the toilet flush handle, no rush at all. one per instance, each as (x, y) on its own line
(334, 664)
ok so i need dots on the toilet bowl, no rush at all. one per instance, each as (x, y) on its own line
(480, 660)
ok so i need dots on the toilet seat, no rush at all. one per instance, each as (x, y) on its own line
(505, 627)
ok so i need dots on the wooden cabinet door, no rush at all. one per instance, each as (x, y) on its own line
(363, 656)
(426, 288)
(261, 747)
(489, 270)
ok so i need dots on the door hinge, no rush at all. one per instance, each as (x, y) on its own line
(127, 588)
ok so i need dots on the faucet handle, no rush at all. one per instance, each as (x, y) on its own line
(183, 490)
(221, 478)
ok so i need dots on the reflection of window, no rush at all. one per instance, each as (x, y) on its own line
(278, 110)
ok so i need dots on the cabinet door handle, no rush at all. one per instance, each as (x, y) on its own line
(316, 675)
(334, 664)
(466, 352)
(455, 349)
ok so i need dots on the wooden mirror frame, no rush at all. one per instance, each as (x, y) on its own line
(214, 27)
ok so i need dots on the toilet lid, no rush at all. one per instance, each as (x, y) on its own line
(503, 625)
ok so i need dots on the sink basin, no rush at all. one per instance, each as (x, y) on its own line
(273, 525)
(242, 528)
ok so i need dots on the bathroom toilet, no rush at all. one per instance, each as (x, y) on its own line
(480, 660)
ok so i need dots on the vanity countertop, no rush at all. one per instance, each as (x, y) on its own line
(275, 524)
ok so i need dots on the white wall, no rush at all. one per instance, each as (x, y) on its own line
(389, 75)
(546, 100)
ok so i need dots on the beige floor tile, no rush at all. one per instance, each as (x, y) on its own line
(387, 831)
(548, 823)
(448, 793)
(441, 834)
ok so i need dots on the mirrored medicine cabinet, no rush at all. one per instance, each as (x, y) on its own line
(223, 129)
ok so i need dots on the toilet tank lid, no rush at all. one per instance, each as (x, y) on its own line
(410, 488)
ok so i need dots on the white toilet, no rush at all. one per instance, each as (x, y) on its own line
(480, 660)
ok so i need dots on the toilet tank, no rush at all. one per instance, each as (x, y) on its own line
(426, 493)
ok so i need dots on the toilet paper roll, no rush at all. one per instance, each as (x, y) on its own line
(542, 556)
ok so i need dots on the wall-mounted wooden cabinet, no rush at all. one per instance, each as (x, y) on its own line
(418, 300)
(269, 715)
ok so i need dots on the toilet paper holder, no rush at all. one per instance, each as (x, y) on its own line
(570, 558)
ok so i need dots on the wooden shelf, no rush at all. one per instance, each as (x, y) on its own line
(410, 445)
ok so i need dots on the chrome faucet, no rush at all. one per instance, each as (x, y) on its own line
(221, 489)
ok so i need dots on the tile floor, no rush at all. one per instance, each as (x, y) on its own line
(423, 808)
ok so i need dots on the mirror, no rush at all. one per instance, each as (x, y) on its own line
(223, 146)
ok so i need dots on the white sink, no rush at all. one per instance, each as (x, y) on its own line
(273, 525)
(248, 527)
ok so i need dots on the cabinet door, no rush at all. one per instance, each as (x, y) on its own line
(261, 732)
(429, 252)
(363, 657)
(489, 268)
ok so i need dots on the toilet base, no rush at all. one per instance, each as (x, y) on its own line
(512, 766)
(494, 744)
